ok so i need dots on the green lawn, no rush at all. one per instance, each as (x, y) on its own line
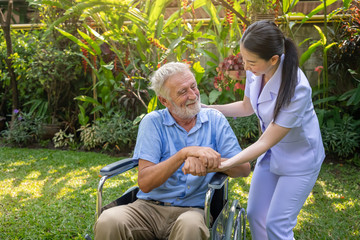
(50, 194)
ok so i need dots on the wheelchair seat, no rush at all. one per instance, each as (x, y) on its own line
(225, 221)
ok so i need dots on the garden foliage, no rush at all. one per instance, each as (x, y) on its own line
(89, 68)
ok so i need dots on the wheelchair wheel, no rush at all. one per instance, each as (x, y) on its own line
(240, 225)
(236, 223)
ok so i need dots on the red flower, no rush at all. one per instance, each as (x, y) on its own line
(187, 62)
(239, 86)
(319, 69)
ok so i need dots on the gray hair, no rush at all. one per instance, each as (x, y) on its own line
(163, 73)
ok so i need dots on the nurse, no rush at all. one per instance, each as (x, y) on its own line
(290, 151)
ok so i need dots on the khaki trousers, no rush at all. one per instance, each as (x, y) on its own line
(145, 220)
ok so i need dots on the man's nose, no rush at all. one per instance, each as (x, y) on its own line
(193, 93)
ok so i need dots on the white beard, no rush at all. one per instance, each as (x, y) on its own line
(187, 112)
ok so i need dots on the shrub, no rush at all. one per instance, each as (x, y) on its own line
(87, 136)
(246, 129)
(24, 130)
(341, 138)
(59, 74)
(63, 139)
(109, 133)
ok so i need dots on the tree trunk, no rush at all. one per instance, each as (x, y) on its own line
(5, 25)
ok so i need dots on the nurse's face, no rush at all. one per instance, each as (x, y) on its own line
(257, 65)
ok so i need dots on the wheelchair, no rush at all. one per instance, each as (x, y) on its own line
(224, 220)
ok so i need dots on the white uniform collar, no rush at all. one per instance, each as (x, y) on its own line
(271, 89)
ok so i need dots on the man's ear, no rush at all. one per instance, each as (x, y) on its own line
(162, 100)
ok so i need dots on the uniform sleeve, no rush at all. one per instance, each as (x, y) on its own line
(148, 141)
(292, 115)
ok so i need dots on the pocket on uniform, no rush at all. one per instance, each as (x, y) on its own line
(294, 158)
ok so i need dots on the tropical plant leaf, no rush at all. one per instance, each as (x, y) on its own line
(213, 96)
(211, 10)
(91, 42)
(159, 26)
(307, 54)
(87, 99)
(152, 104)
(199, 71)
(97, 109)
(76, 40)
(204, 98)
(155, 13)
(329, 46)
(346, 3)
(325, 100)
(318, 9)
(322, 35)
(288, 5)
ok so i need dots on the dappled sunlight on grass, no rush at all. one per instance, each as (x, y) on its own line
(50, 194)
(23, 190)
(239, 188)
(71, 181)
(333, 206)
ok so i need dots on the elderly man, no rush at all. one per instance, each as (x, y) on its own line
(179, 149)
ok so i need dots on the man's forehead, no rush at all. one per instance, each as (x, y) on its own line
(182, 78)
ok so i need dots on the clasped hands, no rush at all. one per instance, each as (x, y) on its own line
(201, 160)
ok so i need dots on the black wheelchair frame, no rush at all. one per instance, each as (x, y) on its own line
(225, 221)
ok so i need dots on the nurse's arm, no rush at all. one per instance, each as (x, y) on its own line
(272, 135)
(236, 109)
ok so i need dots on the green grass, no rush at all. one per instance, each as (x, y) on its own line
(50, 194)
(332, 211)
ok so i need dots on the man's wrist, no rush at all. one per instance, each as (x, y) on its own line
(183, 154)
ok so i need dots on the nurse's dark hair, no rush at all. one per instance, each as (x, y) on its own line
(265, 39)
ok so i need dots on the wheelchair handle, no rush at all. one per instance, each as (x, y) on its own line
(119, 167)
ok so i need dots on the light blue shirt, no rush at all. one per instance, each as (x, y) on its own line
(160, 137)
(301, 151)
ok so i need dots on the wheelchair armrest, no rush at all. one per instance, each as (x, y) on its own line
(109, 171)
(218, 180)
(119, 167)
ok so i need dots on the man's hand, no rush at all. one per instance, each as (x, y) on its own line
(208, 156)
(194, 166)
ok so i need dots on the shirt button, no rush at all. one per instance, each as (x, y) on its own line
(188, 187)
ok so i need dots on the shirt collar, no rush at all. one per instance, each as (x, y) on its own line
(169, 120)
